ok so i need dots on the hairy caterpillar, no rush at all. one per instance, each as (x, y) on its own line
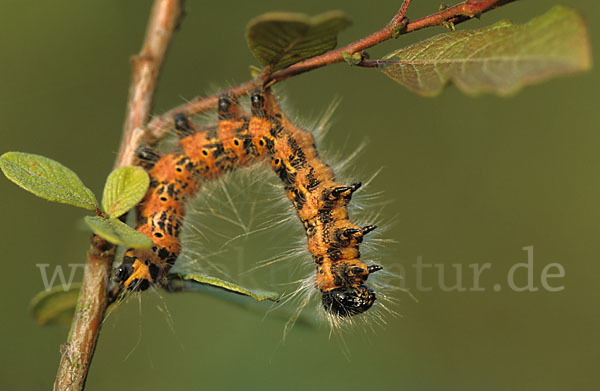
(237, 140)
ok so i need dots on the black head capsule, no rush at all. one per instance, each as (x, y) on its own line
(123, 272)
(348, 301)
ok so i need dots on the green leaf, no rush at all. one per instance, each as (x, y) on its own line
(199, 282)
(118, 232)
(124, 188)
(47, 179)
(281, 39)
(500, 59)
(55, 306)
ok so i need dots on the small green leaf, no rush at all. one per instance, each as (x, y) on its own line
(55, 306)
(118, 232)
(198, 282)
(124, 188)
(47, 179)
(501, 58)
(281, 39)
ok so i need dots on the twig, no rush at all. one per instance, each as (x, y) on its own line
(159, 127)
(77, 353)
(145, 69)
(457, 14)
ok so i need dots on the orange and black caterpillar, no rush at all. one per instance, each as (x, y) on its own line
(238, 140)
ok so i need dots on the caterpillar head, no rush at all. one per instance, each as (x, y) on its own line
(122, 275)
(136, 275)
(350, 300)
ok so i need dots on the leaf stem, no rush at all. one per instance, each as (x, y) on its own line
(77, 353)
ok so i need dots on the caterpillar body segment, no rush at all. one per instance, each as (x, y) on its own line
(238, 140)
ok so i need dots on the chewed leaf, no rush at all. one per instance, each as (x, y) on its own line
(117, 232)
(281, 39)
(47, 179)
(124, 188)
(501, 58)
(198, 282)
(55, 306)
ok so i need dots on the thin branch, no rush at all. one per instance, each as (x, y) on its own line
(77, 353)
(145, 69)
(159, 127)
(457, 14)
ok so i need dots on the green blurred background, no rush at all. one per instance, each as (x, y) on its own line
(470, 180)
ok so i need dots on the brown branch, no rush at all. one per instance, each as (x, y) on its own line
(77, 353)
(457, 14)
(160, 126)
(145, 69)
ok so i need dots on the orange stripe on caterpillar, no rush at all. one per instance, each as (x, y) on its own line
(236, 141)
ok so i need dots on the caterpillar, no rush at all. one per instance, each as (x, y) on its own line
(237, 140)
